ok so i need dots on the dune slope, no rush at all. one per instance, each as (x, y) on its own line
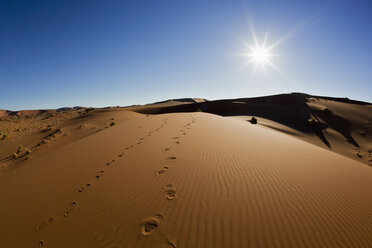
(186, 180)
(341, 125)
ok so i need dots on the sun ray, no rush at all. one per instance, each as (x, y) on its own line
(261, 53)
(253, 33)
(265, 39)
(295, 31)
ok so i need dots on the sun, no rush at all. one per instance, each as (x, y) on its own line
(260, 55)
(260, 52)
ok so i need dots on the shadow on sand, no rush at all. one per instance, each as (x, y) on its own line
(290, 110)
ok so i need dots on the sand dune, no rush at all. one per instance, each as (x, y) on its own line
(337, 124)
(179, 180)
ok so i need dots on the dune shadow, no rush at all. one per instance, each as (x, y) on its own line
(290, 110)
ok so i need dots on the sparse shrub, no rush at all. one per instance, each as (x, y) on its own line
(112, 124)
(253, 120)
(28, 151)
(15, 155)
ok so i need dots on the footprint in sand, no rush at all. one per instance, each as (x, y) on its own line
(42, 224)
(42, 243)
(167, 148)
(68, 212)
(162, 170)
(172, 157)
(107, 164)
(149, 225)
(169, 192)
(100, 174)
(81, 189)
(175, 137)
(184, 133)
(177, 142)
(171, 243)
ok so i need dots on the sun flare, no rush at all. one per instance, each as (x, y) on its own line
(260, 52)
(260, 55)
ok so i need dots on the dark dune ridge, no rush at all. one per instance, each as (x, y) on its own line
(307, 114)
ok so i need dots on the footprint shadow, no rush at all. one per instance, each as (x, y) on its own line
(169, 191)
(43, 223)
(149, 225)
(162, 170)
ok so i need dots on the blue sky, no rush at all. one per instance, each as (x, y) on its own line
(101, 53)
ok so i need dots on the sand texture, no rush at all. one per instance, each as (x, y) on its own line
(117, 178)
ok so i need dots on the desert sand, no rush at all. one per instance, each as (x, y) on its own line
(189, 173)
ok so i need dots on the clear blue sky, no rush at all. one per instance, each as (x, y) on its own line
(97, 53)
